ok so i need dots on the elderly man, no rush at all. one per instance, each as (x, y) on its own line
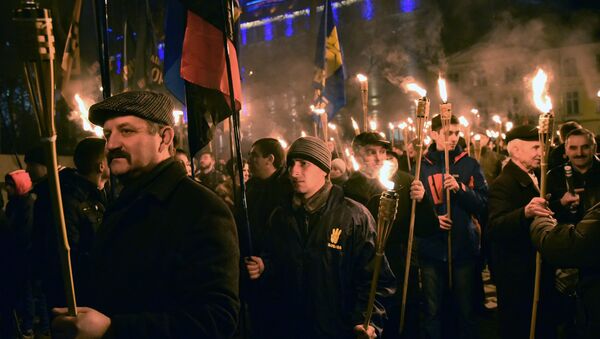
(319, 256)
(165, 259)
(514, 202)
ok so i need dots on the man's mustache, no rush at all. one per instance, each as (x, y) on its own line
(117, 154)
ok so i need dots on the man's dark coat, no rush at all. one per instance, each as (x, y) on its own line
(165, 261)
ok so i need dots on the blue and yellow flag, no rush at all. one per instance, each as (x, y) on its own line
(329, 66)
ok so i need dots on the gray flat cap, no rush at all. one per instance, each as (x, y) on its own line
(156, 107)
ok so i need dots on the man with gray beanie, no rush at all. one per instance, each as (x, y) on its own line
(318, 258)
(165, 261)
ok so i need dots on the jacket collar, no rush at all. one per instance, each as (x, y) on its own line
(314, 203)
(434, 156)
(518, 173)
(170, 173)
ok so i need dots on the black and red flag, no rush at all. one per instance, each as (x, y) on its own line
(203, 66)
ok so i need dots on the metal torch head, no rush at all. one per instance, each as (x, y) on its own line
(446, 111)
(35, 40)
(545, 126)
(388, 205)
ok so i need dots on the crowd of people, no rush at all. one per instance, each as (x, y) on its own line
(159, 251)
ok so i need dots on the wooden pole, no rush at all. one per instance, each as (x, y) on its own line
(545, 130)
(422, 117)
(446, 115)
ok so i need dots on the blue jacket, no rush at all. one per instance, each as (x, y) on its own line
(467, 204)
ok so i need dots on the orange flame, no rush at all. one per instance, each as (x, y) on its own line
(416, 88)
(443, 90)
(361, 77)
(463, 121)
(540, 92)
(84, 115)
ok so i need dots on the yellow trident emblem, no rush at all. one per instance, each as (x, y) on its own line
(335, 236)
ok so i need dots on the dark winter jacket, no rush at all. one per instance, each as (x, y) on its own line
(165, 260)
(513, 254)
(587, 185)
(569, 245)
(263, 196)
(368, 191)
(468, 204)
(318, 269)
(83, 207)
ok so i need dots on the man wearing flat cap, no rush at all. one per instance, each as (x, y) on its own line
(318, 256)
(165, 261)
(513, 204)
(364, 186)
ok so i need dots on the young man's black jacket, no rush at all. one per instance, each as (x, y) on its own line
(318, 269)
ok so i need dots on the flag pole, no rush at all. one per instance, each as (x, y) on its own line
(101, 27)
(228, 29)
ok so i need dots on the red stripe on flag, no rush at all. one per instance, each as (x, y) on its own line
(203, 58)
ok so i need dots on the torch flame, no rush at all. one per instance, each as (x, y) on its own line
(416, 88)
(355, 164)
(373, 125)
(347, 151)
(463, 121)
(508, 126)
(540, 97)
(354, 124)
(361, 77)
(477, 137)
(84, 115)
(332, 126)
(496, 119)
(385, 173)
(474, 111)
(402, 126)
(303, 134)
(410, 121)
(443, 90)
(177, 115)
(283, 143)
(391, 126)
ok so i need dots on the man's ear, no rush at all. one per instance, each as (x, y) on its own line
(100, 167)
(166, 136)
(271, 158)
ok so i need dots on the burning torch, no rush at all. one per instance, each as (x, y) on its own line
(546, 123)
(404, 130)
(355, 127)
(36, 47)
(388, 205)
(422, 113)
(364, 97)
(446, 115)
